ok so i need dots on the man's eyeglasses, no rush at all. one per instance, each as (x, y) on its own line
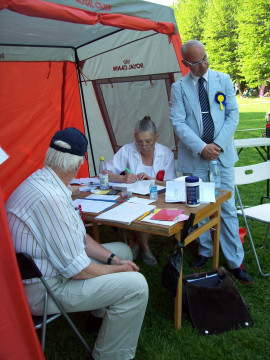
(198, 63)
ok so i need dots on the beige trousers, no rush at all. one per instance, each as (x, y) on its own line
(119, 298)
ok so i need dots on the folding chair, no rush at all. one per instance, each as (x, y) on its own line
(247, 175)
(29, 270)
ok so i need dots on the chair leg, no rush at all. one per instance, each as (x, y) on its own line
(63, 311)
(44, 322)
(249, 234)
(266, 237)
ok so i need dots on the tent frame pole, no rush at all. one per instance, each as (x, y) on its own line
(84, 111)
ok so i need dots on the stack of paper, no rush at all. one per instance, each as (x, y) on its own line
(176, 192)
(126, 212)
(139, 187)
(93, 206)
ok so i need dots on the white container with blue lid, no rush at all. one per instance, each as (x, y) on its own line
(192, 191)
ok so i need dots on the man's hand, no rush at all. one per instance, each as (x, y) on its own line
(130, 265)
(211, 151)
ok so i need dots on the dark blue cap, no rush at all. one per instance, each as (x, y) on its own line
(74, 138)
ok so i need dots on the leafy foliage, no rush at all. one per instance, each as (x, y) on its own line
(236, 34)
(189, 15)
(254, 44)
(220, 35)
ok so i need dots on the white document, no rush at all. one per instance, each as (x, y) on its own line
(176, 192)
(3, 156)
(102, 197)
(126, 212)
(86, 181)
(139, 187)
(140, 200)
(93, 206)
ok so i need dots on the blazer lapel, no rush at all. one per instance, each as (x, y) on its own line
(192, 97)
(213, 86)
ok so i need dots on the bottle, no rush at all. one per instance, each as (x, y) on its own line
(215, 175)
(192, 191)
(153, 190)
(103, 174)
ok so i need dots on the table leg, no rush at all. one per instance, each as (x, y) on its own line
(178, 298)
(216, 240)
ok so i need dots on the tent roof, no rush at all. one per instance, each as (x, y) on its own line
(74, 23)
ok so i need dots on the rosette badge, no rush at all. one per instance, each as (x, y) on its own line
(221, 99)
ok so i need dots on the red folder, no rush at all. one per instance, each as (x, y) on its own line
(166, 214)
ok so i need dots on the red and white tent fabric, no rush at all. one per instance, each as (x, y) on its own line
(97, 65)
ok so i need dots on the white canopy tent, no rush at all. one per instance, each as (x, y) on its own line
(125, 54)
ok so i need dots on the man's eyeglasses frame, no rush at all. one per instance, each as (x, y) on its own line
(197, 63)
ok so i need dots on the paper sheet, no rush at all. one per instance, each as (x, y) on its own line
(102, 197)
(176, 192)
(3, 156)
(139, 187)
(126, 212)
(137, 200)
(93, 206)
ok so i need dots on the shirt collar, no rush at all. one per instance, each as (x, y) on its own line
(195, 78)
(56, 180)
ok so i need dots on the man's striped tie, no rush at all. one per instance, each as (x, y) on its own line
(208, 125)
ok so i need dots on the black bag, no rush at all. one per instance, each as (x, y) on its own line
(172, 269)
(214, 303)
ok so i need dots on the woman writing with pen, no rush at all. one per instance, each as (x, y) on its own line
(143, 159)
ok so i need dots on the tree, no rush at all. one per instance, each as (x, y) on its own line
(220, 36)
(189, 15)
(254, 44)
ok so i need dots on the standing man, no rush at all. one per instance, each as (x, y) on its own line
(204, 114)
(84, 275)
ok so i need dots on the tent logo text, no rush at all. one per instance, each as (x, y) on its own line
(95, 4)
(127, 66)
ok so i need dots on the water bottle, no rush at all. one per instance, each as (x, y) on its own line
(103, 174)
(215, 175)
(153, 190)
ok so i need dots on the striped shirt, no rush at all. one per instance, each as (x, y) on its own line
(44, 223)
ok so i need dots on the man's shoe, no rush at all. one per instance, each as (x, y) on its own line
(242, 275)
(199, 262)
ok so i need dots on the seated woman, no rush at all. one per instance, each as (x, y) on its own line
(146, 159)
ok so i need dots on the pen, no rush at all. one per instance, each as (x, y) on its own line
(127, 170)
(144, 215)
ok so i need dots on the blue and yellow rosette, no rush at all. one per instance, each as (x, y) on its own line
(221, 99)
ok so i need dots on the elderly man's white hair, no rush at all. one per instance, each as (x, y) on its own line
(189, 43)
(63, 162)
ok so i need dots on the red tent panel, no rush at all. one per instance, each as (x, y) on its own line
(18, 338)
(36, 100)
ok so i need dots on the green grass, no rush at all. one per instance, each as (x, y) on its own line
(159, 340)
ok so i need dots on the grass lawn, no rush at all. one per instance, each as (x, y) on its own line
(159, 340)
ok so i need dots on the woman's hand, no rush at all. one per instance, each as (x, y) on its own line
(130, 178)
(143, 176)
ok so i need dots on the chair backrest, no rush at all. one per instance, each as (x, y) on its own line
(27, 266)
(252, 173)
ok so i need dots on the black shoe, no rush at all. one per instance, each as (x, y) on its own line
(242, 275)
(199, 262)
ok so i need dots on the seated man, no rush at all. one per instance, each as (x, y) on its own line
(83, 274)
